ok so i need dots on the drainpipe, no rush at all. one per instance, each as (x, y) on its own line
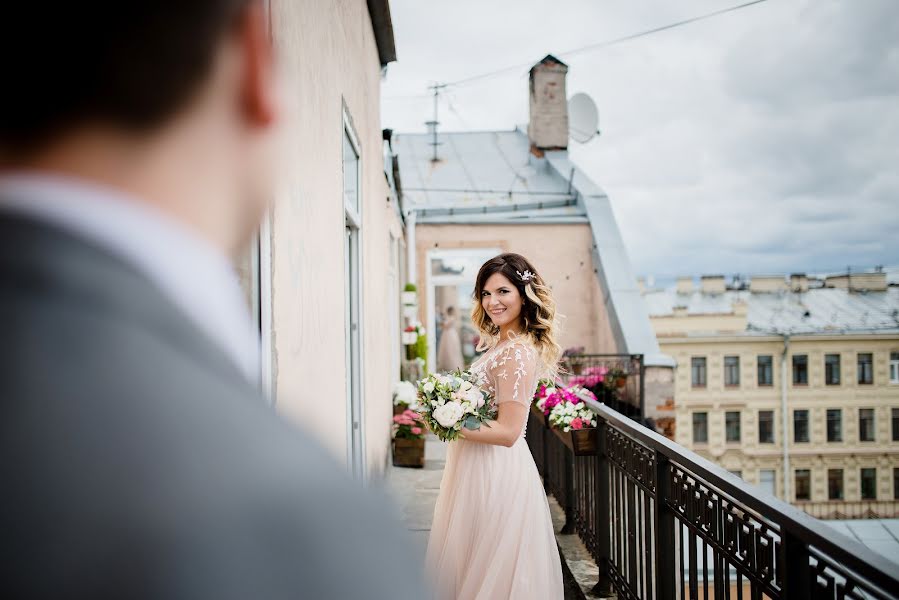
(784, 420)
(411, 254)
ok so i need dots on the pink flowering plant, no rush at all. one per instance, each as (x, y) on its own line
(601, 380)
(566, 408)
(408, 426)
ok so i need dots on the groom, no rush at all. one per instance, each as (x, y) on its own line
(137, 459)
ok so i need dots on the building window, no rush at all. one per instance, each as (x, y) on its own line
(700, 428)
(732, 426)
(803, 484)
(869, 484)
(732, 371)
(352, 204)
(800, 369)
(834, 484)
(697, 371)
(896, 424)
(866, 368)
(766, 481)
(834, 425)
(896, 483)
(832, 369)
(766, 426)
(765, 370)
(866, 424)
(800, 426)
(894, 367)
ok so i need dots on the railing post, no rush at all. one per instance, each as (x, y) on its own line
(603, 525)
(664, 526)
(795, 568)
(568, 528)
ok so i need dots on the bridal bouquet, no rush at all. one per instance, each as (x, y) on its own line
(453, 401)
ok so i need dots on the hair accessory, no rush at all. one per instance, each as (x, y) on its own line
(526, 276)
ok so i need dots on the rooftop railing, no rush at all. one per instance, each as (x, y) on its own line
(664, 523)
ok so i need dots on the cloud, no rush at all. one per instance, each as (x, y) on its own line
(764, 140)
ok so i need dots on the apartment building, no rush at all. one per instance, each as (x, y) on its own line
(791, 383)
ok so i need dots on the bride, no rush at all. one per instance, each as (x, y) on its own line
(492, 536)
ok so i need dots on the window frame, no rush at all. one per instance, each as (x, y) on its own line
(870, 414)
(832, 375)
(807, 476)
(808, 434)
(795, 362)
(772, 428)
(873, 481)
(864, 370)
(739, 427)
(704, 423)
(894, 368)
(732, 371)
(838, 438)
(842, 485)
(694, 364)
(767, 367)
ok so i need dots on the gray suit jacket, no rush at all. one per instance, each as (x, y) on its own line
(136, 461)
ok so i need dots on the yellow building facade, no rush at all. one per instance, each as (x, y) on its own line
(839, 454)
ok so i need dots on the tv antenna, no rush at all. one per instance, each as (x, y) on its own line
(432, 124)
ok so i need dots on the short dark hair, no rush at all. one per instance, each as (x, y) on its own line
(131, 63)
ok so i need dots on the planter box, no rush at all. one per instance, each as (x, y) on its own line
(539, 414)
(409, 338)
(582, 442)
(399, 408)
(410, 311)
(409, 453)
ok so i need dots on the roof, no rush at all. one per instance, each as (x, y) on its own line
(491, 177)
(379, 10)
(880, 535)
(816, 311)
(480, 173)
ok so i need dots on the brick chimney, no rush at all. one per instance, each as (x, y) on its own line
(548, 124)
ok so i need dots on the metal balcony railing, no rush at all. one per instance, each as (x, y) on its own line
(664, 523)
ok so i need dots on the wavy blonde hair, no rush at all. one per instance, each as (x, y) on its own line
(538, 315)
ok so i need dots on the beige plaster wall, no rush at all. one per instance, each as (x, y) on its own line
(328, 50)
(562, 255)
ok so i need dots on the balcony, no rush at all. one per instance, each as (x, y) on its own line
(663, 523)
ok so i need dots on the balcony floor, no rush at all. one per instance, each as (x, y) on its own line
(415, 492)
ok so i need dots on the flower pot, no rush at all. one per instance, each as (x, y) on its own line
(409, 298)
(577, 368)
(585, 442)
(621, 382)
(399, 408)
(564, 437)
(410, 311)
(409, 453)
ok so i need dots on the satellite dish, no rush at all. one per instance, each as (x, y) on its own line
(583, 118)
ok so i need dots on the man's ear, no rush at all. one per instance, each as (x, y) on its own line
(259, 97)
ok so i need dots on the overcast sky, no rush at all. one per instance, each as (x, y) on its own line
(761, 140)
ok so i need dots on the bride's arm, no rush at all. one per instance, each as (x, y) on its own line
(514, 373)
(505, 430)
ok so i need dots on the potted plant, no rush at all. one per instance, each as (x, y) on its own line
(408, 440)
(403, 396)
(410, 295)
(573, 359)
(573, 421)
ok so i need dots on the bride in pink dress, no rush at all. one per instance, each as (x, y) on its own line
(492, 536)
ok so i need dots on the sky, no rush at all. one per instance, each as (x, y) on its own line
(763, 140)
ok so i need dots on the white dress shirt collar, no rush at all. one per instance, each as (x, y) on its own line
(195, 275)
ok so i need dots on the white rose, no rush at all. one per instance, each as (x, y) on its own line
(466, 385)
(475, 397)
(428, 387)
(448, 414)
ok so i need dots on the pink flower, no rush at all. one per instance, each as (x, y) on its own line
(577, 423)
(416, 430)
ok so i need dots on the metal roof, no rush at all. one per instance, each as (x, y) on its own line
(880, 535)
(480, 173)
(817, 311)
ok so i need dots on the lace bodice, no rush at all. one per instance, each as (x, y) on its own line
(509, 372)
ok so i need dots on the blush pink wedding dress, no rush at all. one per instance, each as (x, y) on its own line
(492, 535)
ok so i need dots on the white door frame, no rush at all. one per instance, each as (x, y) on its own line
(432, 281)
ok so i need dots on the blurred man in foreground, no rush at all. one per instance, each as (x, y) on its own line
(137, 459)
